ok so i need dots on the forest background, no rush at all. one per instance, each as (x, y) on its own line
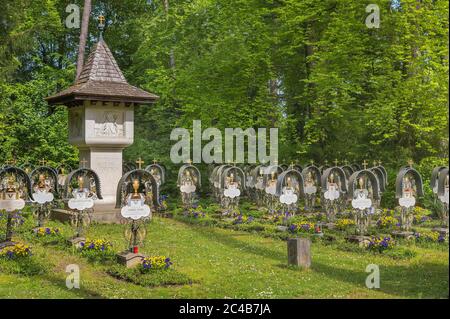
(335, 88)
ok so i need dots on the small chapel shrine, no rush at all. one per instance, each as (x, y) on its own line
(101, 107)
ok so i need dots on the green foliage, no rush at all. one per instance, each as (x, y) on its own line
(160, 277)
(27, 266)
(334, 88)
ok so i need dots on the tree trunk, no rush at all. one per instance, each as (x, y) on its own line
(83, 36)
(171, 54)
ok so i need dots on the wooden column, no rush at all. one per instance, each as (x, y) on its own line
(299, 252)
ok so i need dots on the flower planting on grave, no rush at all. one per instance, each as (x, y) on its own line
(156, 263)
(387, 222)
(16, 251)
(153, 271)
(305, 227)
(380, 244)
(97, 250)
(344, 223)
(429, 236)
(47, 231)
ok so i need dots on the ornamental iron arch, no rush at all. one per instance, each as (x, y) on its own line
(191, 168)
(353, 180)
(386, 179)
(160, 168)
(84, 172)
(443, 176)
(380, 177)
(237, 172)
(435, 175)
(340, 174)
(125, 186)
(315, 170)
(49, 171)
(288, 173)
(25, 178)
(399, 181)
(268, 170)
(348, 170)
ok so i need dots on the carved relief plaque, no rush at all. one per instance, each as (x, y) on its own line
(109, 124)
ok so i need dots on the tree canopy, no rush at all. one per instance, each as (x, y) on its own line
(334, 87)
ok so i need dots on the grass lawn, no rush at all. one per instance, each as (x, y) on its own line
(223, 263)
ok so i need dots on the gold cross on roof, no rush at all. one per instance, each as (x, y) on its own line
(140, 162)
(379, 162)
(336, 162)
(365, 164)
(155, 161)
(83, 163)
(312, 162)
(374, 163)
(42, 162)
(101, 19)
(346, 162)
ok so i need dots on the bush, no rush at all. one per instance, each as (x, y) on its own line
(28, 266)
(18, 259)
(157, 277)
(400, 253)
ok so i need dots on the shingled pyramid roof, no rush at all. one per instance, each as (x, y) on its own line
(102, 80)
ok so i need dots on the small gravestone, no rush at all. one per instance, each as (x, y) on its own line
(289, 189)
(362, 241)
(271, 174)
(82, 189)
(189, 183)
(363, 191)
(299, 252)
(440, 186)
(408, 187)
(333, 188)
(44, 183)
(311, 177)
(232, 185)
(130, 259)
(137, 195)
(15, 189)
